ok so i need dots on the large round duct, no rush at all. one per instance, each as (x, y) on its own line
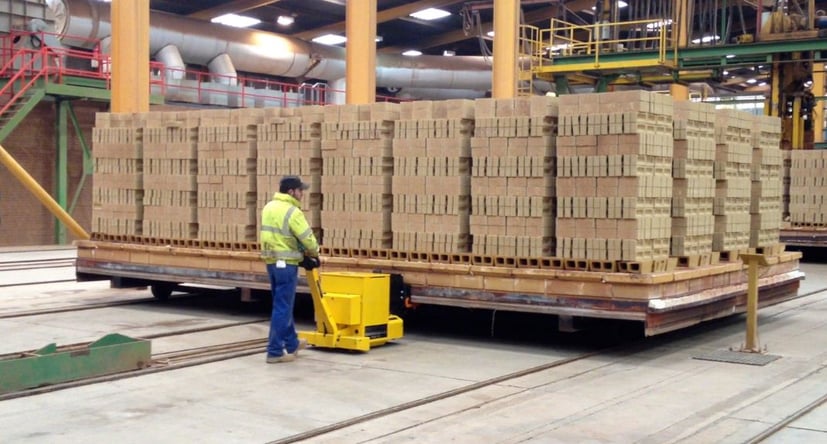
(269, 53)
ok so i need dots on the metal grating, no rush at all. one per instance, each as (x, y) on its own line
(737, 357)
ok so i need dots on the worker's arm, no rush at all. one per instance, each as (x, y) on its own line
(301, 229)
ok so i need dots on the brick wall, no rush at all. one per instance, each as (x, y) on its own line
(23, 219)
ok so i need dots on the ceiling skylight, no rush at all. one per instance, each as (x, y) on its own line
(236, 21)
(430, 14)
(330, 39)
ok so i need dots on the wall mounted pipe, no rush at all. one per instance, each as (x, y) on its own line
(223, 70)
(269, 53)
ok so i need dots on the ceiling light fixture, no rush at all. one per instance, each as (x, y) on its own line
(430, 14)
(412, 53)
(285, 20)
(236, 21)
(752, 81)
(449, 53)
(490, 33)
(379, 39)
(730, 56)
(330, 39)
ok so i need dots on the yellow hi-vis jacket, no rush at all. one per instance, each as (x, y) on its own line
(285, 233)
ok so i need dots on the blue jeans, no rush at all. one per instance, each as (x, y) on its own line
(282, 330)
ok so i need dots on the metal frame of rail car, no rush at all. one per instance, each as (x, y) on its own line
(803, 237)
(662, 301)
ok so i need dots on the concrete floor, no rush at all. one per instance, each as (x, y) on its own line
(654, 392)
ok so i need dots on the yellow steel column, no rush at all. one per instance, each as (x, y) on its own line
(681, 19)
(752, 261)
(31, 184)
(775, 90)
(506, 19)
(130, 56)
(679, 92)
(798, 125)
(360, 63)
(818, 109)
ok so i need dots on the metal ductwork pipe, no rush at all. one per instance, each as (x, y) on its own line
(438, 94)
(223, 70)
(170, 56)
(268, 53)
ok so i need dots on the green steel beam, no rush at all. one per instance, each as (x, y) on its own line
(18, 117)
(62, 166)
(113, 353)
(88, 166)
(89, 93)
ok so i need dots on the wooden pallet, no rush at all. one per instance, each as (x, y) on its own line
(771, 250)
(697, 260)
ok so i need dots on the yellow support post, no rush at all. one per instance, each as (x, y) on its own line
(798, 125)
(31, 184)
(818, 109)
(360, 54)
(679, 92)
(681, 20)
(506, 21)
(753, 261)
(130, 56)
(775, 90)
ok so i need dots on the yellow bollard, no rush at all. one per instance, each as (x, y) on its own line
(752, 261)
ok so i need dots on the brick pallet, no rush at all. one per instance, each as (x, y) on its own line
(808, 189)
(512, 177)
(693, 186)
(733, 172)
(289, 143)
(117, 190)
(357, 149)
(170, 160)
(766, 202)
(614, 184)
(431, 182)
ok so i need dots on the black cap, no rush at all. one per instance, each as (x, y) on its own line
(288, 183)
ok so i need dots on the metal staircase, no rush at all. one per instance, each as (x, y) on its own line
(20, 93)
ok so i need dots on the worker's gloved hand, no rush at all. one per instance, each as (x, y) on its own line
(309, 263)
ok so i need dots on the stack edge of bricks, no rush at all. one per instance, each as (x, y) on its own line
(766, 202)
(357, 150)
(693, 186)
(431, 183)
(227, 145)
(808, 188)
(289, 143)
(512, 177)
(170, 169)
(614, 176)
(733, 172)
(117, 191)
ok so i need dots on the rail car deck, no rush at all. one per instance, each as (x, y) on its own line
(804, 236)
(663, 301)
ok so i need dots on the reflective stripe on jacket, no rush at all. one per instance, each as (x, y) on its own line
(285, 233)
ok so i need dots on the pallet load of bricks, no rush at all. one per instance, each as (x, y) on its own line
(613, 182)
(430, 183)
(808, 190)
(512, 179)
(693, 185)
(766, 202)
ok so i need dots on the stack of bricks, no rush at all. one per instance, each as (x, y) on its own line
(170, 172)
(357, 150)
(808, 188)
(431, 183)
(614, 184)
(733, 171)
(512, 177)
(693, 187)
(766, 203)
(289, 144)
(227, 175)
(117, 191)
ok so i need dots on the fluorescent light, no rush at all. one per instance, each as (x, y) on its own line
(379, 39)
(726, 73)
(412, 53)
(330, 39)
(730, 56)
(430, 14)
(658, 24)
(762, 84)
(236, 21)
(752, 81)
(706, 39)
(490, 33)
(285, 20)
(622, 4)
(449, 53)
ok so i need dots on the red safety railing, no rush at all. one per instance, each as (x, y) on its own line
(20, 50)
